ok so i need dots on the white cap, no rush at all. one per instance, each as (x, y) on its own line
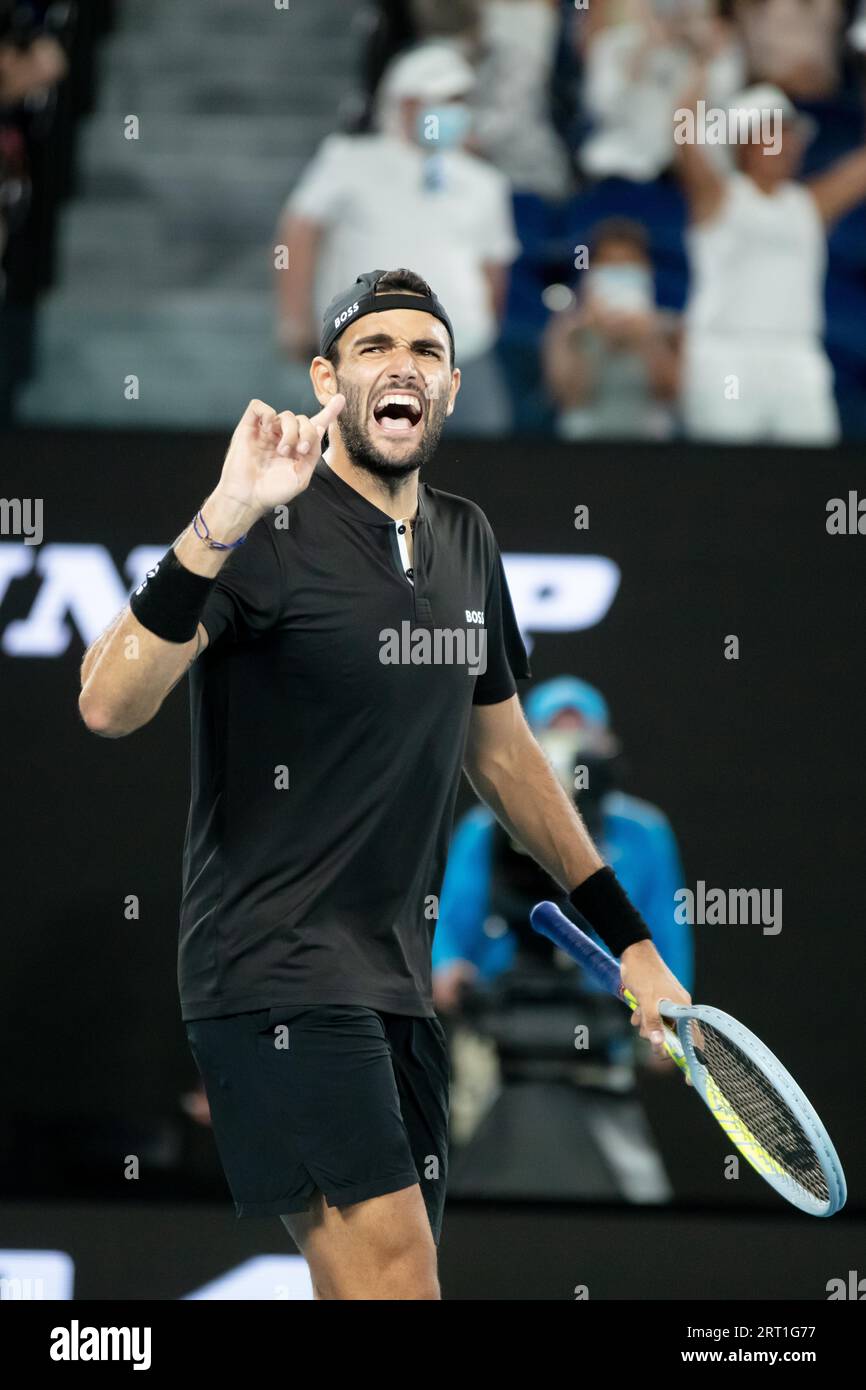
(434, 71)
(762, 97)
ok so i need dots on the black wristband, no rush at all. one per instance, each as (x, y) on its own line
(170, 598)
(602, 901)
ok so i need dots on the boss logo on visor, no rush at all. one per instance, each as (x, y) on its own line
(346, 314)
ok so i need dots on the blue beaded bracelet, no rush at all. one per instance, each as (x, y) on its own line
(209, 542)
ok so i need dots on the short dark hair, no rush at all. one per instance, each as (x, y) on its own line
(401, 279)
(619, 229)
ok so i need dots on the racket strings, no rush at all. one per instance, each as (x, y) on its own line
(759, 1107)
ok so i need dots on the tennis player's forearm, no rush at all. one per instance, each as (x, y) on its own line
(524, 795)
(128, 671)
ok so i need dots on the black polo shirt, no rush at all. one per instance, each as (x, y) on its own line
(328, 721)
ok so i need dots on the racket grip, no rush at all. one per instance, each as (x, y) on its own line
(547, 919)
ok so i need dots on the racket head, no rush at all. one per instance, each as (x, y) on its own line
(746, 1089)
(813, 1179)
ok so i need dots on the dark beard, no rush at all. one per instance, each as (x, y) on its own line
(355, 435)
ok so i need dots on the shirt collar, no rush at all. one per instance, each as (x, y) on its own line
(348, 499)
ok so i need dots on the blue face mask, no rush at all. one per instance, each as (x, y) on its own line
(444, 127)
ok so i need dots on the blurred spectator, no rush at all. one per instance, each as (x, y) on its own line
(754, 367)
(396, 25)
(31, 69)
(437, 19)
(14, 184)
(611, 360)
(490, 884)
(512, 45)
(793, 43)
(32, 62)
(512, 119)
(637, 57)
(408, 195)
(856, 34)
(510, 1000)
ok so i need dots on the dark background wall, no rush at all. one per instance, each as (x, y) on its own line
(488, 1251)
(757, 762)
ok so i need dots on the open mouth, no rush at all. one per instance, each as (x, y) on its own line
(398, 413)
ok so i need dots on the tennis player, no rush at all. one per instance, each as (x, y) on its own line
(351, 645)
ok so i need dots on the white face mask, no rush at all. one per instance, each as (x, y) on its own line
(625, 288)
(562, 750)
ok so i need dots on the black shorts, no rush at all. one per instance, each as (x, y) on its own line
(339, 1098)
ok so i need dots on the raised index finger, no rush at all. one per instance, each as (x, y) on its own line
(328, 414)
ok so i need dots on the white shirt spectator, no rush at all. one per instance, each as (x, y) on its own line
(755, 319)
(511, 101)
(758, 267)
(382, 203)
(634, 115)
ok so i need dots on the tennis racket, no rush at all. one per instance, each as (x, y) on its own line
(755, 1100)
